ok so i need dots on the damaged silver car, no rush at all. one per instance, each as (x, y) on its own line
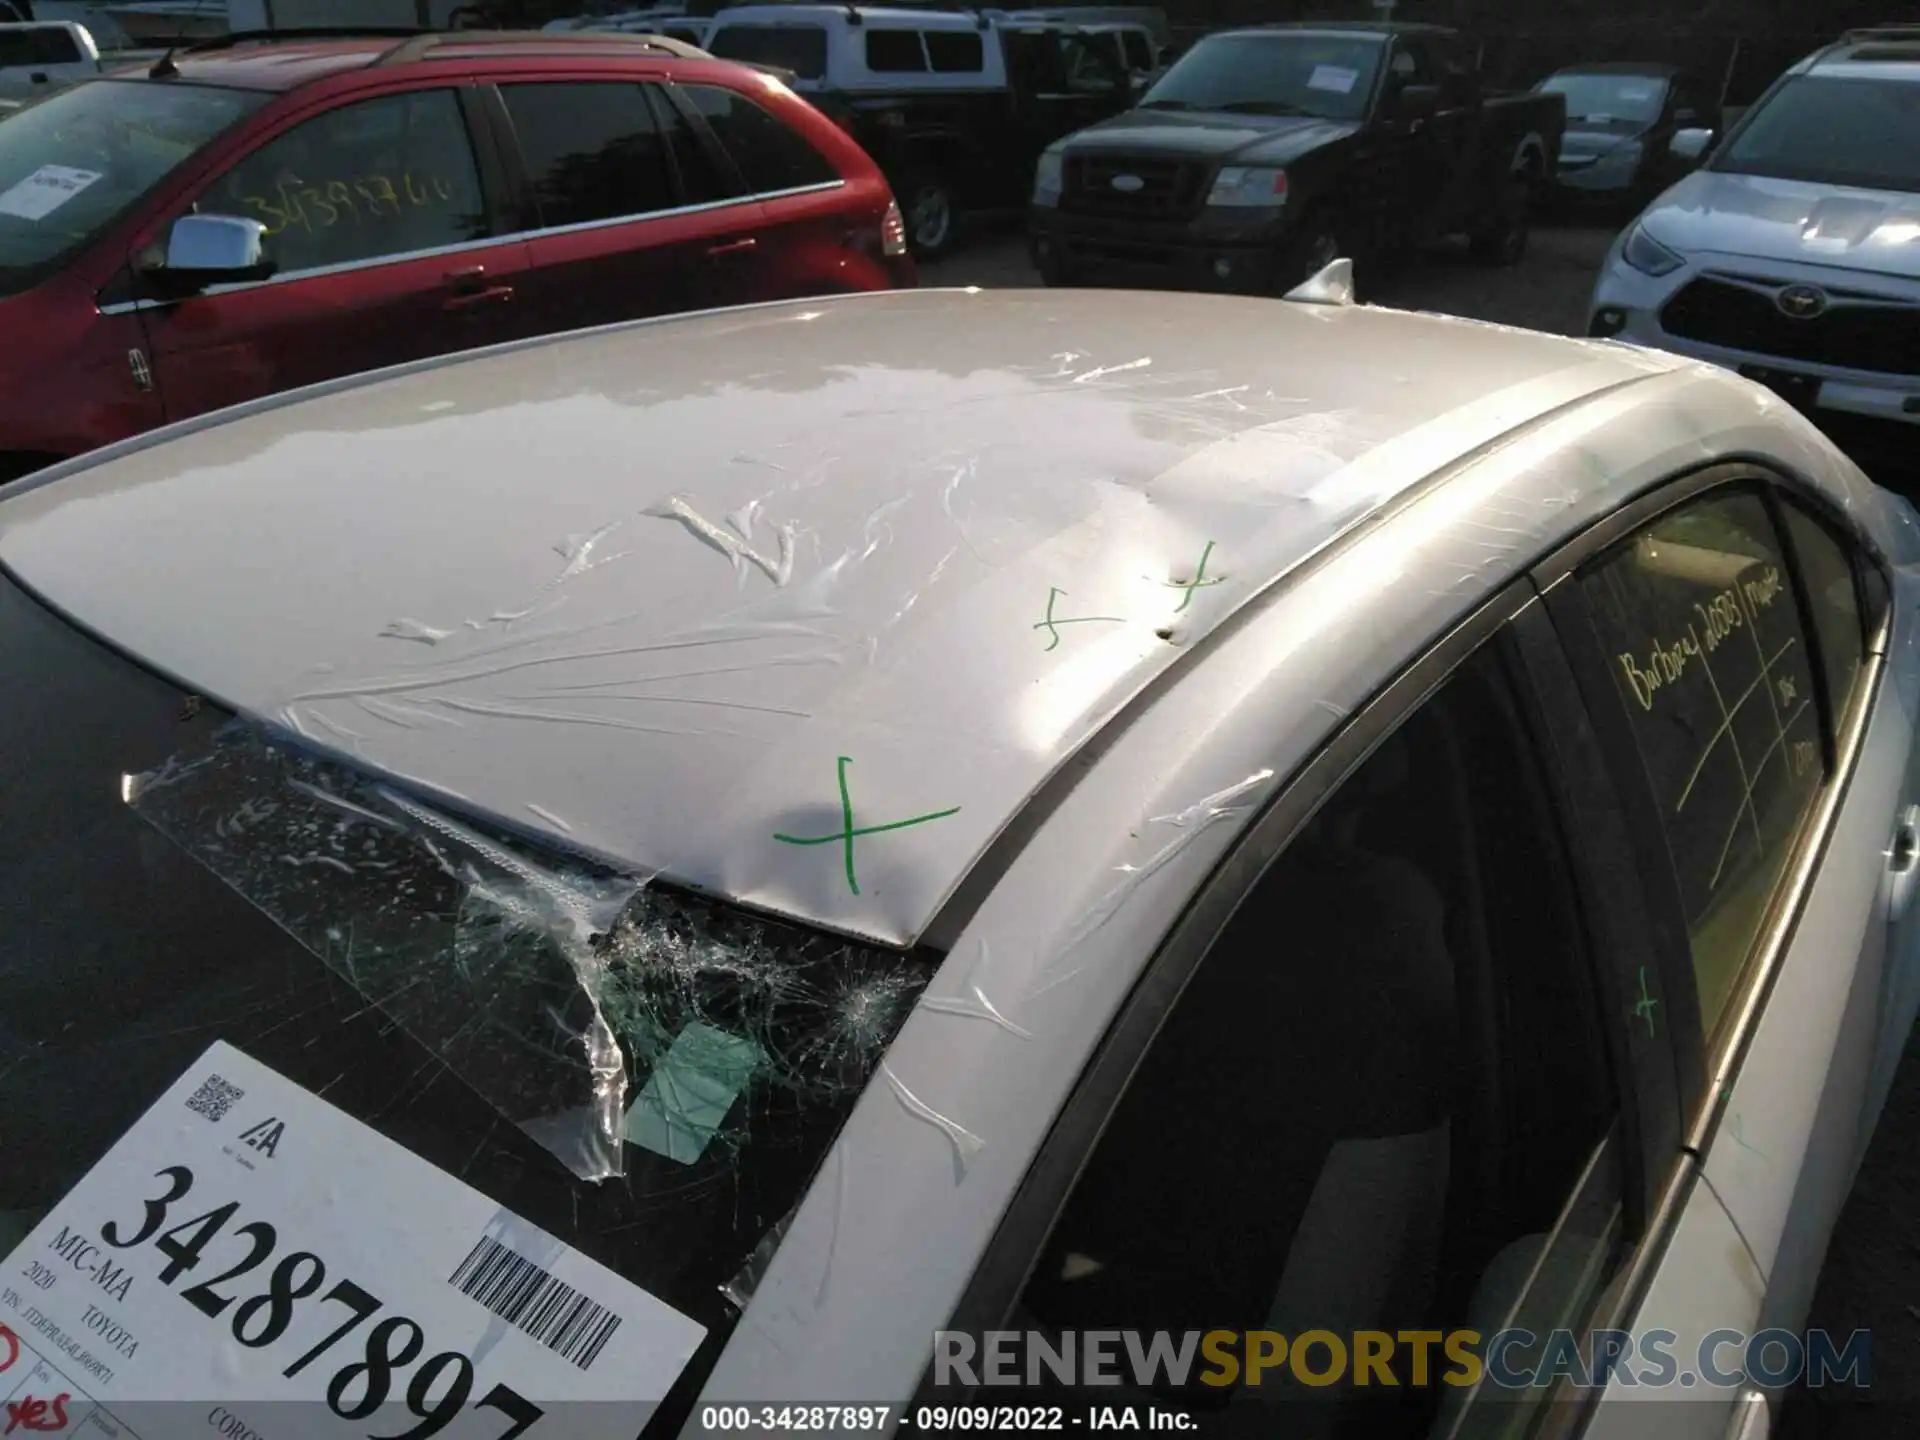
(763, 864)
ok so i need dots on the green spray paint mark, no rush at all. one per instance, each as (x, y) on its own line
(1736, 1127)
(847, 833)
(1644, 1006)
(1199, 580)
(1054, 592)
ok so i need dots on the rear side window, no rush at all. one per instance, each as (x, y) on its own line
(895, 51)
(799, 48)
(701, 179)
(44, 45)
(1697, 619)
(771, 156)
(592, 152)
(1833, 602)
(382, 177)
(955, 51)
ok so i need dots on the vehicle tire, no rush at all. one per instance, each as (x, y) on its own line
(1504, 242)
(1316, 244)
(932, 212)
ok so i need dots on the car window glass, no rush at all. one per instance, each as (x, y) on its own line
(799, 48)
(593, 151)
(895, 51)
(1623, 100)
(1830, 130)
(771, 156)
(73, 163)
(956, 51)
(1380, 1091)
(701, 179)
(1410, 65)
(1139, 52)
(41, 45)
(425, 996)
(1331, 76)
(1833, 601)
(381, 177)
(1697, 620)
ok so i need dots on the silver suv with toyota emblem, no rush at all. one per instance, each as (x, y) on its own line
(1793, 254)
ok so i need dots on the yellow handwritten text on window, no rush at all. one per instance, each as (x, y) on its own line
(298, 204)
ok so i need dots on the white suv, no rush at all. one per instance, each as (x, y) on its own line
(1793, 255)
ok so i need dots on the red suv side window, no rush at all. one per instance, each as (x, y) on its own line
(593, 151)
(386, 176)
(770, 155)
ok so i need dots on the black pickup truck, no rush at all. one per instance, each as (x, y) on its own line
(1264, 153)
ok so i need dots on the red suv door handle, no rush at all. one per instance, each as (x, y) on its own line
(732, 247)
(470, 288)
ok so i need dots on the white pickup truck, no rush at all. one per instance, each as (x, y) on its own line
(41, 56)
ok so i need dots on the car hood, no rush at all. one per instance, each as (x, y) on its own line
(1235, 139)
(1756, 217)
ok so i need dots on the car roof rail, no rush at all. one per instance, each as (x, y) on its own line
(1892, 30)
(165, 66)
(422, 42)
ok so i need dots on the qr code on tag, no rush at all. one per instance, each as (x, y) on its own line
(214, 1097)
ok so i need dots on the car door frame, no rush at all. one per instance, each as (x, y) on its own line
(1706, 1068)
(1600, 866)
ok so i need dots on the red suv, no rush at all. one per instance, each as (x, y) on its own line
(253, 215)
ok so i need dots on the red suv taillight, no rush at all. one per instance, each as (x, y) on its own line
(893, 231)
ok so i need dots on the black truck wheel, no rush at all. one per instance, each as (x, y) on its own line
(932, 213)
(1504, 240)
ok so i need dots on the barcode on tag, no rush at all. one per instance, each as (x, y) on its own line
(530, 1299)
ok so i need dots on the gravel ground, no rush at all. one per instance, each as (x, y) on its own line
(1872, 1274)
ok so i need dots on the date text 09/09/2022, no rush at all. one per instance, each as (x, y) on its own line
(974, 1419)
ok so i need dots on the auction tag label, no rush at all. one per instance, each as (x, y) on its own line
(1336, 78)
(250, 1249)
(45, 191)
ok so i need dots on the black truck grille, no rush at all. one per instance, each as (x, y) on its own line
(1168, 189)
(1882, 338)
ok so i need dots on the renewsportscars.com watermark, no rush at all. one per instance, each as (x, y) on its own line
(1513, 1359)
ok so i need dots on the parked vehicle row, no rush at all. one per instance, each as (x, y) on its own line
(247, 217)
(955, 107)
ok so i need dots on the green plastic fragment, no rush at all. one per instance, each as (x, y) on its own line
(686, 1099)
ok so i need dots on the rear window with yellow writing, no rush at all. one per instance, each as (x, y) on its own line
(1704, 639)
(379, 178)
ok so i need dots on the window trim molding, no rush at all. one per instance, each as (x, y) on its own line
(127, 307)
(1007, 1260)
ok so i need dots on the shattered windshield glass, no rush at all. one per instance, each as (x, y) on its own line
(649, 1075)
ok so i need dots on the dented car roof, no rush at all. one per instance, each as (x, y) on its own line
(796, 604)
